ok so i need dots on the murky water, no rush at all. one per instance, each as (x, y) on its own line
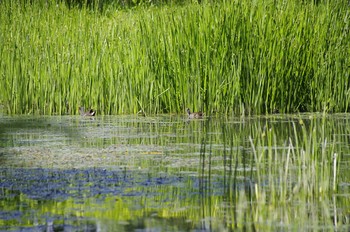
(165, 173)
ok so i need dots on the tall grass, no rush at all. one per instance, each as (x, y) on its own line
(231, 57)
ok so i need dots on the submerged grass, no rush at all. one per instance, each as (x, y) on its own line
(231, 56)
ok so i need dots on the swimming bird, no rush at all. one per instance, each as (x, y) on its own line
(90, 112)
(196, 115)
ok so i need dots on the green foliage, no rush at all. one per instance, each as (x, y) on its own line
(240, 57)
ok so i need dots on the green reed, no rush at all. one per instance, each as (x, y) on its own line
(231, 56)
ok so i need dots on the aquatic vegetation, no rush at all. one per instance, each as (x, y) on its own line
(277, 171)
(221, 174)
(233, 57)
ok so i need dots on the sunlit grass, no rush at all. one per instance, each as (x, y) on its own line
(231, 57)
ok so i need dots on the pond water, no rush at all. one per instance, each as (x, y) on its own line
(167, 173)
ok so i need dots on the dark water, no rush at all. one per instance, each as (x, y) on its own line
(165, 173)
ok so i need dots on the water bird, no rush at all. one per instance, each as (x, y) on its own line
(90, 112)
(141, 113)
(196, 115)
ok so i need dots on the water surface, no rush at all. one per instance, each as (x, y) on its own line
(166, 173)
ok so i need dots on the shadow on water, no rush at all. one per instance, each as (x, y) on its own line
(122, 173)
(30, 125)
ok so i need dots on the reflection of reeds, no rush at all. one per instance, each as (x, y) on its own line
(261, 173)
(272, 177)
(30, 127)
(226, 56)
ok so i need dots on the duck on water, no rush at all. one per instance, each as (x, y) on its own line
(90, 112)
(196, 115)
